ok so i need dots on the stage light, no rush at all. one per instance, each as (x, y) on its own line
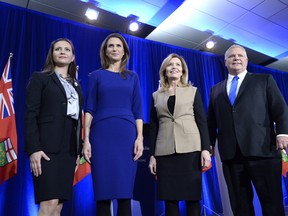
(91, 14)
(134, 26)
(210, 44)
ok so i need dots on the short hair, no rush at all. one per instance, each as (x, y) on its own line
(232, 47)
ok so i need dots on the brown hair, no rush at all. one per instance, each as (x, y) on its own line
(105, 61)
(49, 65)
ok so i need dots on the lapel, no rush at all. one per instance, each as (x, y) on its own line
(79, 92)
(179, 92)
(166, 97)
(223, 90)
(243, 86)
(58, 83)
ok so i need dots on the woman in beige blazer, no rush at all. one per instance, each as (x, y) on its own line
(179, 138)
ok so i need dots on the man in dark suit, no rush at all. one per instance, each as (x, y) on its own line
(252, 129)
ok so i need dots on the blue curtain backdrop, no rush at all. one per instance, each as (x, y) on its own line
(28, 34)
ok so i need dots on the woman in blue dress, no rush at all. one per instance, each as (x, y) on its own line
(113, 127)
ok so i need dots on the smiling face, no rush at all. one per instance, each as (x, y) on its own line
(63, 53)
(174, 69)
(115, 49)
(236, 60)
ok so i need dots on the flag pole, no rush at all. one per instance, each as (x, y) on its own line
(9, 149)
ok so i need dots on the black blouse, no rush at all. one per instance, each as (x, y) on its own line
(200, 118)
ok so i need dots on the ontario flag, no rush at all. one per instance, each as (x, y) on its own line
(8, 133)
(284, 163)
(84, 167)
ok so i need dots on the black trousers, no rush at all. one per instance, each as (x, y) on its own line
(266, 176)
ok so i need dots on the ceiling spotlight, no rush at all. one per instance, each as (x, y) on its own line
(210, 44)
(134, 26)
(91, 14)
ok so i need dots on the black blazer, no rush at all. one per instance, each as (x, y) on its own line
(250, 122)
(46, 111)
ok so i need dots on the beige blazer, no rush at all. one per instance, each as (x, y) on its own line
(178, 133)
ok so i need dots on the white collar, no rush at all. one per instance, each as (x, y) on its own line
(240, 75)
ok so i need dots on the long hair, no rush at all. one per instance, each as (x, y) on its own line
(105, 61)
(164, 84)
(49, 66)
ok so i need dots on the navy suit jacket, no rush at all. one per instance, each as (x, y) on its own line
(46, 113)
(250, 122)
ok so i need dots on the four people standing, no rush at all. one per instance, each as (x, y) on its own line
(179, 138)
(113, 127)
(251, 130)
(53, 127)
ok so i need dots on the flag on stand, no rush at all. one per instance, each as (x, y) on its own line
(8, 133)
(284, 163)
(82, 171)
(84, 167)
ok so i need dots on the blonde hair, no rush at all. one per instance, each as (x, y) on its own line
(164, 84)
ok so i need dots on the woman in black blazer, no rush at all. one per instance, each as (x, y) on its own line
(52, 127)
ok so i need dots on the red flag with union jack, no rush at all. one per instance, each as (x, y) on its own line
(8, 133)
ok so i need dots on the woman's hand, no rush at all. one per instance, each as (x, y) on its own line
(152, 165)
(205, 158)
(138, 148)
(86, 151)
(35, 162)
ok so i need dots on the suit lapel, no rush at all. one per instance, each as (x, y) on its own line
(243, 86)
(58, 83)
(79, 92)
(223, 90)
(166, 101)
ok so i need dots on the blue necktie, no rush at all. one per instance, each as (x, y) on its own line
(232, 93)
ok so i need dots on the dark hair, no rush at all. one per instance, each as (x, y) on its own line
(105, 61)
(49, 65)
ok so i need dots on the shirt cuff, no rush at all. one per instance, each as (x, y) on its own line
(286, 135)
